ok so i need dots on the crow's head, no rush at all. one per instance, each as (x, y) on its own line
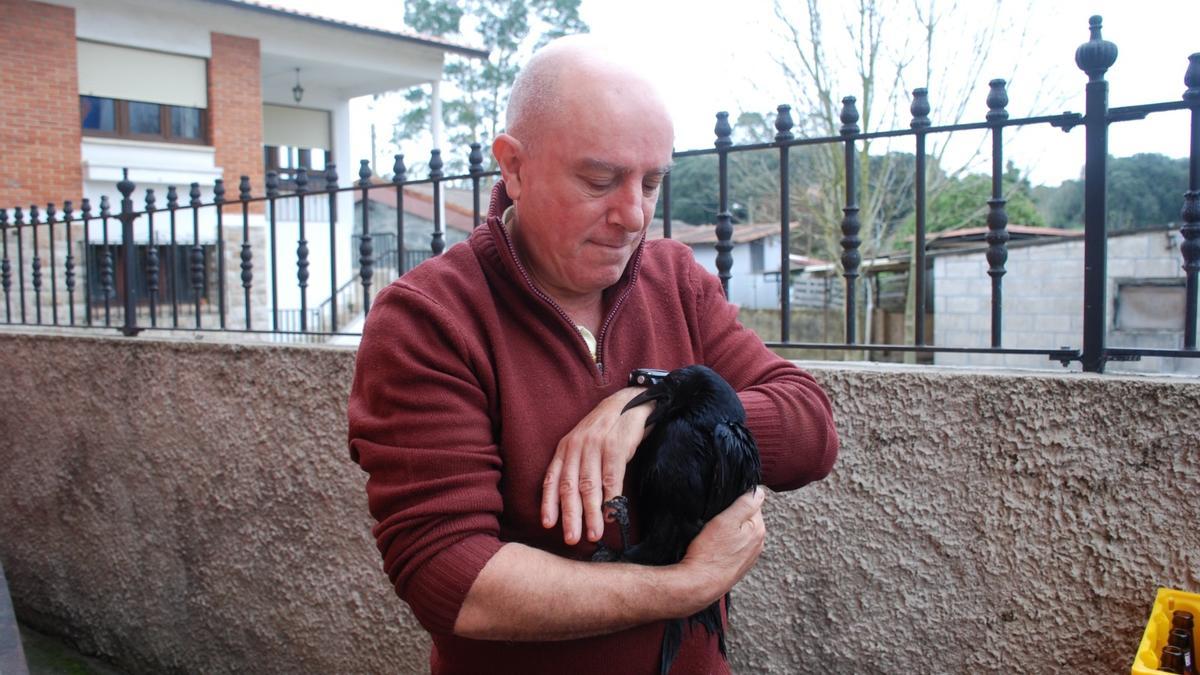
(692, 388)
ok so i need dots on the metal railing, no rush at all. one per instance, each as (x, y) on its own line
(343, 301)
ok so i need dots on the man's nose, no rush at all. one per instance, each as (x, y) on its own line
(625, 207)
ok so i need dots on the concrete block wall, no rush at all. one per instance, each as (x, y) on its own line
(189, 506)
(1043, 301)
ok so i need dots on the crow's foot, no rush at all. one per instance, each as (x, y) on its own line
(617, 509)
(605, 554)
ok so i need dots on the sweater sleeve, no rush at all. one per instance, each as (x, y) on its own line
(419, 428)
(786, 409)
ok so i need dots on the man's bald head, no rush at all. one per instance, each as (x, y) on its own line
(569, 69)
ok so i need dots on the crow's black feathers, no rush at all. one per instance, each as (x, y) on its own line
(696, 460)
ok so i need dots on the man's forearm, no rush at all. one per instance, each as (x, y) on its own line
(527, 594)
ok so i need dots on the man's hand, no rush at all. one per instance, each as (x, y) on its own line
(727, 547)
(588, 468)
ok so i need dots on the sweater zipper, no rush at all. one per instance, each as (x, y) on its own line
(549, 300)
(637, 263)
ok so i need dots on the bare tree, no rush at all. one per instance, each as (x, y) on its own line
(878, 51)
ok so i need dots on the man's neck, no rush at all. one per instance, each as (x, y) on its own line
(586, 310)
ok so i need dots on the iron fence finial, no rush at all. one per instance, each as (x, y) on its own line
(849, 116)
(399, 171)
(783, 124)
(997, 100)
(723, 131)
(1097, 55)
(1192, 79)
(919, 109)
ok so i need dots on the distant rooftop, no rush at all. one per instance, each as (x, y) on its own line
(403, 36)
(707, 234)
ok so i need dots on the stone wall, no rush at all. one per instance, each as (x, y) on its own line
(189, 506)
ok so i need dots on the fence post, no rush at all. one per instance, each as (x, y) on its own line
(438, 243)
(125, 187)
(475, 168)
(366, 260)
(851, 258)
(1190, 214)
(997, 218)
(920, 122)
(1094, 57)
(783, 135)
(724, 228)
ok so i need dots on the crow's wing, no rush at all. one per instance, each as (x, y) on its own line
(736, 466)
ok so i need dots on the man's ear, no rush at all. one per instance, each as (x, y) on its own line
(509, 154)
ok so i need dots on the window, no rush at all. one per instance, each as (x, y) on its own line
(285, 161)
(1150, 305)
(99, 114)
(141, 120)
(757, 256)
(141, 94)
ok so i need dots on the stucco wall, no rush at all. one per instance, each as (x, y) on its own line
(190, 507)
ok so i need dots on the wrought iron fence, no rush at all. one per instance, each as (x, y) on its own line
(188, 276)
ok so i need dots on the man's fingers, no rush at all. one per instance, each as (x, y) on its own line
(550, 492)
(592, 493)
(614, 473)
(568, 497)
(744, 508)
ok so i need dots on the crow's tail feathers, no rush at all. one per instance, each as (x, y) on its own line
(710, 618)
(672, 637)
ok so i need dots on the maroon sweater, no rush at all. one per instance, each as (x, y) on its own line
(467, 377)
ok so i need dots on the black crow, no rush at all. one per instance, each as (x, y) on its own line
(696, 460)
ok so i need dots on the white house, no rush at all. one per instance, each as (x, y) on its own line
(190, 91)
(754, 281)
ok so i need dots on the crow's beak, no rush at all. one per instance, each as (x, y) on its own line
(644, 397)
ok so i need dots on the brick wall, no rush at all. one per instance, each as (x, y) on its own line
(39, 104)
(235, 111)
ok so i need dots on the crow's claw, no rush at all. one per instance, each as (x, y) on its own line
(605, 554)
(617, 509)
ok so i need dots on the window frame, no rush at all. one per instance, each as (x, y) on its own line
(121, 123)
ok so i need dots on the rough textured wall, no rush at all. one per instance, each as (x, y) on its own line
(190, 507)
(39, 105)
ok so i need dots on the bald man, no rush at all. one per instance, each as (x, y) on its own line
(486, 405)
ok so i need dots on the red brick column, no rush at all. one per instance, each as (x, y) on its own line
(235, 111)
(39, 105)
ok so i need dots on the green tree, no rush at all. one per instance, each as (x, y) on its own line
(473, 103)
(1144, 190)
(963, 202)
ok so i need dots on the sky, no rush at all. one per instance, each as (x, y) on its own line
(709, 56)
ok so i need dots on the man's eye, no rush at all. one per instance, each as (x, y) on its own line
(650, 186)
(597, 184)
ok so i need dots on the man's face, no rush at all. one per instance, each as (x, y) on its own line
(588, 189)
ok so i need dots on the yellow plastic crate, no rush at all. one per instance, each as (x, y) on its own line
(1154, 638)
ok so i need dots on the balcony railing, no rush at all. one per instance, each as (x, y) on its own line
(28, 238)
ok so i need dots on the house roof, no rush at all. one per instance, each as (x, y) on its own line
(967, 236)
(403, 36)
(707, 234)
(420, 204)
